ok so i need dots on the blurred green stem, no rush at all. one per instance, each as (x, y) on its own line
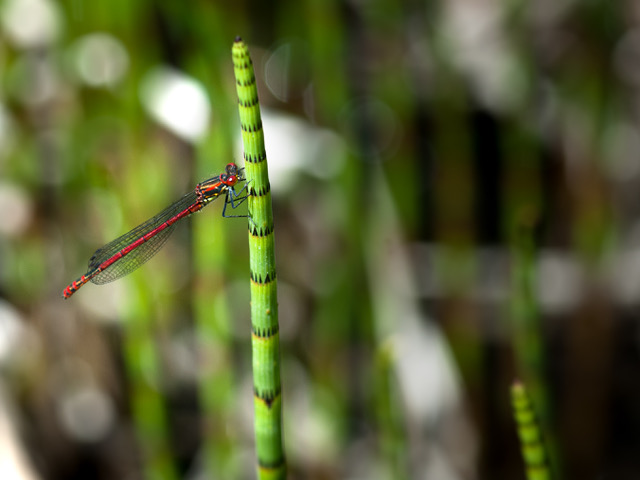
(533, 449)
(148, 409)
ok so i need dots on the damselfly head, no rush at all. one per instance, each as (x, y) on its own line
(232, 175)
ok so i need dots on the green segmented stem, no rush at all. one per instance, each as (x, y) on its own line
(265, 338)
(533, 449)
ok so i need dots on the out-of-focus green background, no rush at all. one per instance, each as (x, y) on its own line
(456, 188)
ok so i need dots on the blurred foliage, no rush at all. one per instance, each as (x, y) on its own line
(455, 194)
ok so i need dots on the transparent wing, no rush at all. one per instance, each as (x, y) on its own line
(135, 259)
(138, 256)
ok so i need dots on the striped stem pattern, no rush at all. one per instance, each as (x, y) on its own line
(533, 449)
(265, 338)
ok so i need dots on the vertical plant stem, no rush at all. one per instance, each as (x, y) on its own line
(533, 449)
(265, 338)
(525, 316)
(148, 407)
(390, 415)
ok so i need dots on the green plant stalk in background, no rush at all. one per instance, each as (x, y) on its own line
(265, 338)
(533, 449)
(389, 413)
(144, 367)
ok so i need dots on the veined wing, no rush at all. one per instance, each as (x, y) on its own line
(133, 259)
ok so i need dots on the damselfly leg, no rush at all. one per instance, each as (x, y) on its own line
(235, 199)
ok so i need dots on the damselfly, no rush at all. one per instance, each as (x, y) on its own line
(128, 252)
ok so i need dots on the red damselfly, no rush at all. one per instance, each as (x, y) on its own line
(128, 252)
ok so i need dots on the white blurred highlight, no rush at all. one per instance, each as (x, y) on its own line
(295, 147)
(12, 331)
(7, 131)
(100, 60)
(36, 80)
(622, 143)
(14, 464)
(285, 72)
(31, 23)
(624, 277)
(84, 409)
(477, 45)
(86, 413)
(103, 302)
(626, 57)
(16, 210)
(561, 279)
(176, 101)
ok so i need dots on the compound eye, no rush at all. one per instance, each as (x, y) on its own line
(230, 168)
(231, 180)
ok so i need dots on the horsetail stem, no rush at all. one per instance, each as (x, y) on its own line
(265, 338)
(533, 449)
